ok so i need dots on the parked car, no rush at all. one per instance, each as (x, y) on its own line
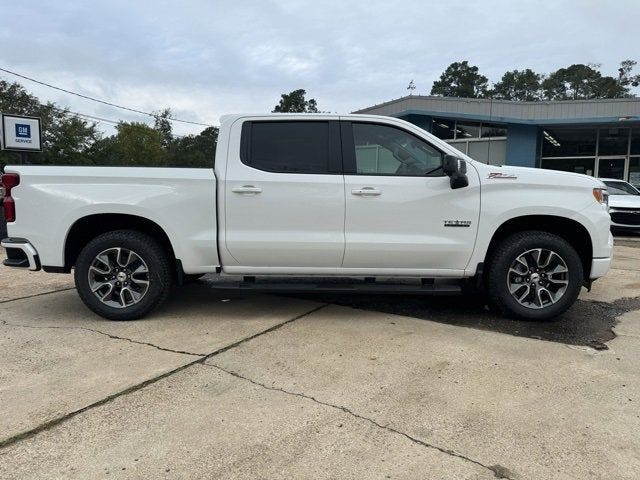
(353, 196)
(624, 204)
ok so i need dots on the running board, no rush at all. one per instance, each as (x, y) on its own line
(405, 289)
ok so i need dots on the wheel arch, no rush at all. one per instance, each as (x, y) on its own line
(570, 230)
(89, 227)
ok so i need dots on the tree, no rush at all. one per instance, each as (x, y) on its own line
(138, 144)
(164, 127)
(625, 77)
(195, 150)
(66, 138)
(519, 85)
(295, 102)
(71, 140)
(581, 81)
(461, 80)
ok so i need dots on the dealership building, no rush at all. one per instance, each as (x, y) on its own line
(595, 137)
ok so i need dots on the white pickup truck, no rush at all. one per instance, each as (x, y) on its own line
(364, 199)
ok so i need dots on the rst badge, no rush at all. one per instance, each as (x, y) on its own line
(501, 176)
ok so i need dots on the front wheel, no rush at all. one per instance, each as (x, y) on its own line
(122, 275)
(534, 275)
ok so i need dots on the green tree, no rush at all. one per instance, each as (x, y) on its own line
(461, 80)
(581, 81)
(625, 76)
(295, 102)
(66, 138)
(164, 127)
(519, 85)
(195, 150)
(138, 144)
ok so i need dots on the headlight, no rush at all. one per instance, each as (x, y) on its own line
(602, 196)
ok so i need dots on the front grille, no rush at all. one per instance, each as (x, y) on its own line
(627, 216)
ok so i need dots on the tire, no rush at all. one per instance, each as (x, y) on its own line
(133, 284)
(544, 291)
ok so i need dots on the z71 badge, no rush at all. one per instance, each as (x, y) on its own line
(501, 176)
(457, 223)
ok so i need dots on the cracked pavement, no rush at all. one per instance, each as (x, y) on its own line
(252, 386)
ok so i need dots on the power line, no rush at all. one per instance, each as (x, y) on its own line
(95, 119)
(100, 101)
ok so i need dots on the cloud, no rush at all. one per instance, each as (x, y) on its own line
(204, 59)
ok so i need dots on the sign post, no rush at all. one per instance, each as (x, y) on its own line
(20, 134)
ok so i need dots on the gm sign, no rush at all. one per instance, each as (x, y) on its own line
(23, 130)
(21, 133)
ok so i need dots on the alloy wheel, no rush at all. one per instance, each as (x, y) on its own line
(119, 277)
(538, 278)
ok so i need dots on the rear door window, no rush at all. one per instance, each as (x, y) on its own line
(290, 147)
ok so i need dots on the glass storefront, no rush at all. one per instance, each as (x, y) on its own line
(613, 141)
(634, 171)
(611, 168)
(468, 130)
(605, 152)
(482, 141)
(577, 165)
(444, 129)
(569, 142)
(635, 141)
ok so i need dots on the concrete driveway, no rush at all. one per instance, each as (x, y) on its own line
(252, 386)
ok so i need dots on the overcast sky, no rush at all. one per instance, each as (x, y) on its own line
(207, 58)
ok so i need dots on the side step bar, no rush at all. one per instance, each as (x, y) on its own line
(426, 288)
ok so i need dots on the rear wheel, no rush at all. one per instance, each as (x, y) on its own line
(123, 275)
(534, 275)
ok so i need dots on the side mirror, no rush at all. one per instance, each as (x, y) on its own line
(456, 169)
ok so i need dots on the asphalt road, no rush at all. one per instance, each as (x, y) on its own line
(254, 386)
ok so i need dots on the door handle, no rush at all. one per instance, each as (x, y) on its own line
(246, 189)
(366, 191)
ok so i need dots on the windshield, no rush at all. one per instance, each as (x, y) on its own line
(621, 188)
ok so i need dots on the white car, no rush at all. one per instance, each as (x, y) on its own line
(355, 197)
(624, 204)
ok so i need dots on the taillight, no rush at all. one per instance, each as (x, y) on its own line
(9, 180)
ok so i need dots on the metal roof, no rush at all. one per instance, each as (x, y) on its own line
(543, 112)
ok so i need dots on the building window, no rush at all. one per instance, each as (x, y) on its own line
(463, 130)
(569, 142)
(484, 142)
(489, 130)
(467, 130)
(462, 146)
(634, 171)
(635, 141)
(577, 165)
(611, 168)
(613, 141)
(492, 152)
(444, 129)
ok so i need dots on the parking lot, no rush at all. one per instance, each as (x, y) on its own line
(253, 386)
